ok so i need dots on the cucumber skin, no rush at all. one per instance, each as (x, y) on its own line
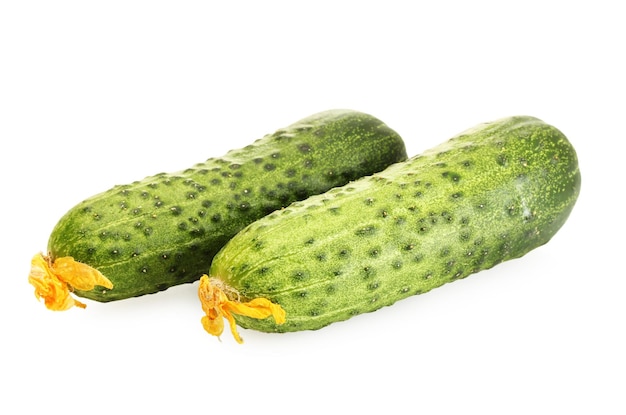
(490, 194)
(165, 229)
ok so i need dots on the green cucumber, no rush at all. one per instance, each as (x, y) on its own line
(164, 230)
(488, 195)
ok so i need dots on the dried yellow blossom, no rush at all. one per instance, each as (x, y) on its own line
(54, 280)
(216, 304)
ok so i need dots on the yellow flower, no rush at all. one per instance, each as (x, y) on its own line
(54, 280)
(216, 304)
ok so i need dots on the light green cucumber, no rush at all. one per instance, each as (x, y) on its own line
(488, 195)
(165, 229)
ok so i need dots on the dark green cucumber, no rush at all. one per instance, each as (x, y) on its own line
(488, 195)
(165, 229)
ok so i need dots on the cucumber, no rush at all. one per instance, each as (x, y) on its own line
(165, 229)
(488, 195)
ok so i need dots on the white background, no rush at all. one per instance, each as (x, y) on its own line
(94, 94)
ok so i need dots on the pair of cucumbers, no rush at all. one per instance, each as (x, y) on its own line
(317, 222)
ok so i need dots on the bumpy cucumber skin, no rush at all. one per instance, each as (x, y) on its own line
(165, 229)
(488, 195)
